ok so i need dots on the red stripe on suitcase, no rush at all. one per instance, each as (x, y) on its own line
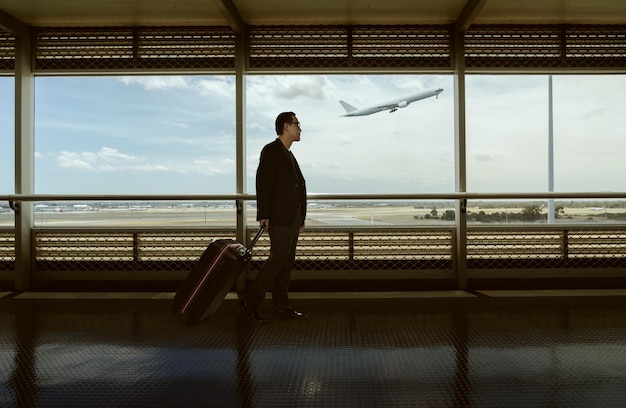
(216, 261)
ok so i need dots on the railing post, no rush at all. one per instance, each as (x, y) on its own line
(240, 120)
(565, 241)
(460, 245)
(351, 245)
(24, 158)
(460, 251)
(135, 247)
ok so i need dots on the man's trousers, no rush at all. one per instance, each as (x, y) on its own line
(276, 270)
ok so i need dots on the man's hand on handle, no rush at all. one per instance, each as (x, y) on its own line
(265, 224)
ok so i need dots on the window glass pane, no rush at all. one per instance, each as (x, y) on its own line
(7, 135)
(508, 130)
(589, 132)
(410, 150)
(135, 135)
(507, 133)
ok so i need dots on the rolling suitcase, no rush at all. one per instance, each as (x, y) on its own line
(215, 273)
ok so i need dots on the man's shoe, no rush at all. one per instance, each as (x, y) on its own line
(290, 313)
(251, 311)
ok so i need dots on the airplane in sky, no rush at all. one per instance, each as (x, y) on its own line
(391, 105)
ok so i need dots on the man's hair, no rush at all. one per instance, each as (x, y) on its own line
(281, 119)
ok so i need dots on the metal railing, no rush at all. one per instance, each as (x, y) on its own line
(531, 250)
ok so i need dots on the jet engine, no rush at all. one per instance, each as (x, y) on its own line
(403, 104)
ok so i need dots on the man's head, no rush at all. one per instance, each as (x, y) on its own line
(288, 127)
(284, 120)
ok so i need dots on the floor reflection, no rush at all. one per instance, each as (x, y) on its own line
(471, 351)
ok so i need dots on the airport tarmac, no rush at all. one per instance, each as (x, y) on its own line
(211, 217)
(184, 216)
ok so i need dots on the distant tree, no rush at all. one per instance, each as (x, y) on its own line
(559, 211)
(531, 213)
(433, 212)
(448, 215)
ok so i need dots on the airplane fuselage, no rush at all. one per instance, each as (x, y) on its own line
(391, 105)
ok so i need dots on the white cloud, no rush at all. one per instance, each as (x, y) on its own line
(157, 82)
(150, 168)
(273, 90)
(255, 126)
(312, 87)
(210, 167)
(410, 83)
(107, 159)
(222, 86)
(483, 157)
(178, 125)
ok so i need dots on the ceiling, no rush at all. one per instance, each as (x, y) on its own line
(16, 14)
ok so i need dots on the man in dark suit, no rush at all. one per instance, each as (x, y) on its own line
(281, 209)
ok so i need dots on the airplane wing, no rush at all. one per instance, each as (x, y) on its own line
(389, 106)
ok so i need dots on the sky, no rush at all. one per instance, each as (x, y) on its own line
(176, 134)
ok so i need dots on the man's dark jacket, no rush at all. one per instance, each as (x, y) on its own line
(280, 186)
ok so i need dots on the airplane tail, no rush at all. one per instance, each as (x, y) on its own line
(349, 108)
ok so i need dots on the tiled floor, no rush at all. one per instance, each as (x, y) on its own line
(441, 349)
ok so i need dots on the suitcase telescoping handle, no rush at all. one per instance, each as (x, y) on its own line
(256, 238)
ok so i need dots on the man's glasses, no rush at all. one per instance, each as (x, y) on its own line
(297, 124)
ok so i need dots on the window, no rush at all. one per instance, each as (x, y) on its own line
(410, 150)
(135, 135)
